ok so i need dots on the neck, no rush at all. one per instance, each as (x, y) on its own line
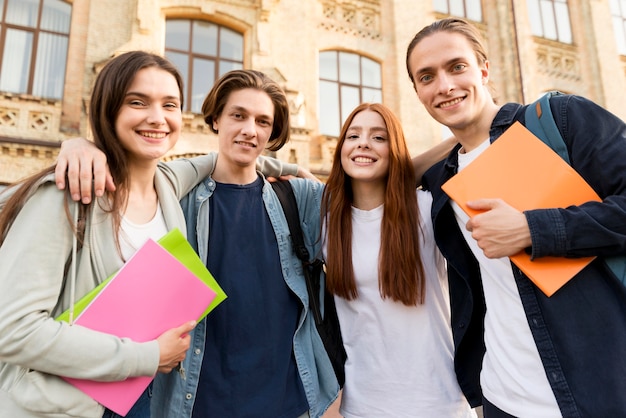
(474, 134)
(142, 198)
(368, 196)
(234, 174)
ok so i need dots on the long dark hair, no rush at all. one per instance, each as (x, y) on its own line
(107, 98)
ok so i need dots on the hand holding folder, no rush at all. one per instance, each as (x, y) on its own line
(527, 174)
(160, 287)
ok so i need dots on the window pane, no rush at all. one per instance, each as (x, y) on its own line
(534, 16)
(328, 65)
(440, 6)
(547, 14)
(620, 34)
(563, 25)
(50, 66)
(177, 34)
(349, 68)
(203, 78)
(474, 10)
(622, 41)
(204, 38)
(350, 99)
(456, 8)
(56, 16)
(231, 45)
(16, 61)
(372, 95)
(22, 12)
(329, 108)
(370, 72)
(181, 61)
(226, 66)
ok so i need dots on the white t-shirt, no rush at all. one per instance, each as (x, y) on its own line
(400, 358)
(512, 376)
(133, 236)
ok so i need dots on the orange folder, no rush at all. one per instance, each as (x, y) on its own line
(526, 173)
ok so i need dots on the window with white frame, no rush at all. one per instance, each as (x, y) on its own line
(468, 9)
(34, 36)
(618, 14)
(203, 51)
(346, 80)
(550, 19)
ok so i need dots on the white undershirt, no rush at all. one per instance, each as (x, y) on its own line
(512, 376)
(133, 236)
(400, 358)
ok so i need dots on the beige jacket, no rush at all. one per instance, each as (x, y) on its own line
(34, 348)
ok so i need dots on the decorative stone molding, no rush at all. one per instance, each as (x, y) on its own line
(23, 116)
(359, 18)
(40, 121)
(9, 117)
(19, 160)
(557, 60)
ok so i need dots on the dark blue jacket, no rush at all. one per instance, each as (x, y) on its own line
(580, 331)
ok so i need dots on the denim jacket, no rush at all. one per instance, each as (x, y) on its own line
(174, 393)
(580, 331)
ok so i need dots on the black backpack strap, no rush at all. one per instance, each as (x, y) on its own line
(290, 208)
(328, 326)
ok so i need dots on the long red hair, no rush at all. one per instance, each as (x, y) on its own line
(400, 271)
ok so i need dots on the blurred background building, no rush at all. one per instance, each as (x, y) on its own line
(329, 55)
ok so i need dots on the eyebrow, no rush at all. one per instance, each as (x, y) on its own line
(446, 64)
(360, 128)
(244, 110)
(145, 96)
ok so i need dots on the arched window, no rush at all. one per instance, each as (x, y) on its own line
(618, 13)
(34, 36)
(346, 80)
(468, 9)
(202, 51)
(550, 19)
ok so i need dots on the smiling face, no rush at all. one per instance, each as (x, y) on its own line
(149, 121)
(244, 127)
(450, 81)
(365, 150)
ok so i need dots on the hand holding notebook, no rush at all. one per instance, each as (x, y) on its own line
(524, 172)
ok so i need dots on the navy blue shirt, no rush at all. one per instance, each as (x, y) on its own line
(248, 369)
(580, 331)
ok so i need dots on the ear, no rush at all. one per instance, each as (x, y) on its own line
(485, 73)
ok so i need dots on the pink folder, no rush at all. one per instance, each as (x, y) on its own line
(150, 294)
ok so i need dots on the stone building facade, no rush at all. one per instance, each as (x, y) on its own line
(576, 46)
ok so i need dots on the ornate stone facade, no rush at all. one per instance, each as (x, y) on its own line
(284, 37)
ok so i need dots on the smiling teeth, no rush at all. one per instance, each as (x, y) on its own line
(154, 135)
(246, 144)
(451, 102)
(363, 160)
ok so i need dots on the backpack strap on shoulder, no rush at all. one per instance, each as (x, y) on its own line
(290, 207)
(540, 121)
